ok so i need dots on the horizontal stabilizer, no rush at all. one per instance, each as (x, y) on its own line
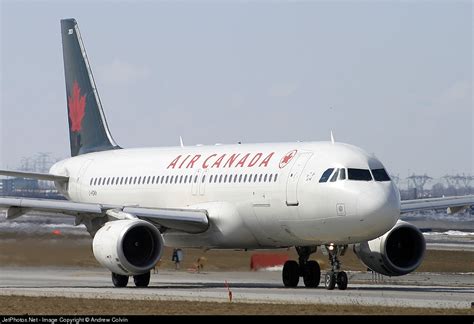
(34, 175)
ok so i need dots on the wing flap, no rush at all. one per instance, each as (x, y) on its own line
(453, 203)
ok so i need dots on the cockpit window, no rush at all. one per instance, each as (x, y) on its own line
(359, 174)
(326, 175)
(334, 177)
(380, 175)
(342, 174)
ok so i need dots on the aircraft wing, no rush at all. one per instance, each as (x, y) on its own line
(186, 220)
(453, 204)
(34, 175)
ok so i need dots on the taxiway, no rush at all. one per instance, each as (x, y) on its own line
(425, 290)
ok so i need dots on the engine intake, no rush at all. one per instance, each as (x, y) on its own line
(396, 253)
(128, 247)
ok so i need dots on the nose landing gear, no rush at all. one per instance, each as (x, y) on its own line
(309, 270)
(335, 276)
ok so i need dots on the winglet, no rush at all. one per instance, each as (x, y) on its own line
(332, 138)
(181, 141)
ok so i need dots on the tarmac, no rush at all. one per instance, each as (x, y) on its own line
(424, 290)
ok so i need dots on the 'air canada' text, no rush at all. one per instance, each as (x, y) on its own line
(235, 160)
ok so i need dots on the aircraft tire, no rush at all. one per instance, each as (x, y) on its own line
(330, 280)
(142, 280)
(311, 274)
(291, 274)
(119, 281)
(342, 280)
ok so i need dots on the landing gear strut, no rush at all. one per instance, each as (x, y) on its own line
(335, 276)
(309, 270)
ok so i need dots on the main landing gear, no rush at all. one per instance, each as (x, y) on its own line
(310, 270)
(120, 281)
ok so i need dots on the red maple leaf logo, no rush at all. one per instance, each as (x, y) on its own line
(77, 105)
(287, 158)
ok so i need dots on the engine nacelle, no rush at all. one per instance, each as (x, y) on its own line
(396, 253)
(128, 247)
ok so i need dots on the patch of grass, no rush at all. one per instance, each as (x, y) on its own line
(18, 305)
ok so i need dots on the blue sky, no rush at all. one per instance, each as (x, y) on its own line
(393, 77)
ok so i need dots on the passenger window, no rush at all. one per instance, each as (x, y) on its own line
(260, 178)
(359, 174)
(334, 177)
(203, 178)
(380, 175)
(326, 175)
(225, 178)
(176, 179)
(245, 178)
(265, 178)
(342, 174)
(276, 176)
(108, 181)
(220, 178)
(255, 178)
(153, 180)
(210, 178)
(195, 179)
(240, 178)
(235, 178)
(270, 178)
(166, 179)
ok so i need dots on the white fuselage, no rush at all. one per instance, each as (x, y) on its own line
(257, 195)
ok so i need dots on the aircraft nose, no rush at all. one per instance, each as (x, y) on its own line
(379, 206)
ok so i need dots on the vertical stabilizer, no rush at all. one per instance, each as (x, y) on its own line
(88, 130)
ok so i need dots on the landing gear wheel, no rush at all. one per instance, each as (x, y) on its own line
(311, 274)
(291, 273)
(119, 281)
(142, 280)
(330, 280)
(341, 280)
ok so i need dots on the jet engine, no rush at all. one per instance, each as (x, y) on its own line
(128, 247)
(396, 253)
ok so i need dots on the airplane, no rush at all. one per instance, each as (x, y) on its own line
(305, 195)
